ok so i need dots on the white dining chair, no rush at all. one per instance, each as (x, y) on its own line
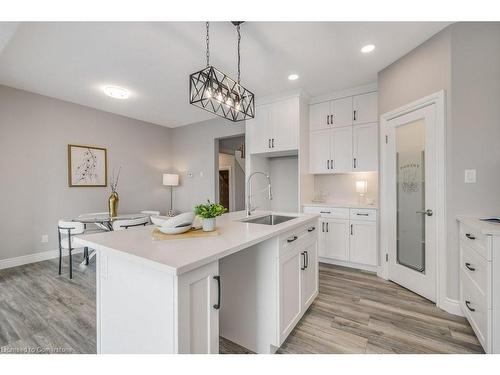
(66, 230)
(98, 227)
(130, 223)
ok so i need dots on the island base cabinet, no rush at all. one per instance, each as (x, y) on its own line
(310, 276)
(134, 306)
(199, 302)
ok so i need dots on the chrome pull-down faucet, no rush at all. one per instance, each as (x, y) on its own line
(250, 209)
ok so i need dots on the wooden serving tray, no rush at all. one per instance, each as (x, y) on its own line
(192, 233)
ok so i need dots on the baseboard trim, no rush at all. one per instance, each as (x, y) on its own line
(33, 258)
(451, 306)
(348, 264)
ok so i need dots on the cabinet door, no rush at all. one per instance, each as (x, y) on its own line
(365, 108)
(198, 315)
(285, 118)
(319, 151)
(342, 112)
(337, 239)
(363, 247)
(259, 130)
(318, 116)
(309, 275)
(365, 147)
(342, 149)
(290, 292)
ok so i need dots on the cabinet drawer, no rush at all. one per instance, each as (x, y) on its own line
(328, 212)
(473, 304)
(297, 236)
(474, 239)
(475, 266)
(363, 214)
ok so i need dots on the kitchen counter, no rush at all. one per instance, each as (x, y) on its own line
(183, 255)
(340, 205)
(484, 227)
(251, 284)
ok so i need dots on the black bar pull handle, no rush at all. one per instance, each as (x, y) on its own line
(272, 142)
(354, 115)
(217, 305)
(469, 267)
(311, 229)
(307, 258)
(470, 236)
(467, 303)
(323, 226)
(328, 164)
(303, 255)
(269, 143)
(325, 212)
(351, 230)
(291, 239)
(328, 119)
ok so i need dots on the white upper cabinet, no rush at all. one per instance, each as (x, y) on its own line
(285, 123)
(352, 144)
(365, 147)
(319, 151)
(365, 108)
(342, 149)
(275, 127)
(319, 116)
(342, 111)
(257, 130)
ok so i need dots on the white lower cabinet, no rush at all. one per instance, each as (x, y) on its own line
(363, 239)
(198, 310)
(347, 236)
(290, 286)
(479, 277)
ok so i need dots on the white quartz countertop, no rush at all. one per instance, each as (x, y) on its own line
(183, 255)
(340, 205)
(485, 227)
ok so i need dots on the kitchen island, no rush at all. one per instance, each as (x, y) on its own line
(250, 284)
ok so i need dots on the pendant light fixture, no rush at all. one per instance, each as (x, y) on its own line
(215, 92)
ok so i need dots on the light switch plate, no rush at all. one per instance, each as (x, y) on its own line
(470, 176)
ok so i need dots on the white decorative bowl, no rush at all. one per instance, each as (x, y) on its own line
(159, 220)
(185, 218)
(174, 230)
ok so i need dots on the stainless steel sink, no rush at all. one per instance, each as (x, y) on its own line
(269, 219)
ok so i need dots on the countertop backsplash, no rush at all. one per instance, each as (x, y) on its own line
(342, 187)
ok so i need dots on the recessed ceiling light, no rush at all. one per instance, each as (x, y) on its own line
(116, 92)
(293, 77)
(368, 48)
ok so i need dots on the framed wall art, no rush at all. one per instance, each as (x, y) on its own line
(87, 166)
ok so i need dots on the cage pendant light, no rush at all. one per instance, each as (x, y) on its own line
(215, 92)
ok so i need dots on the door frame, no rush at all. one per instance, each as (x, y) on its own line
(437, 99)
(231, 186)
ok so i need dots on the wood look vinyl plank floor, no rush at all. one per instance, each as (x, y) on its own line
(355, 312)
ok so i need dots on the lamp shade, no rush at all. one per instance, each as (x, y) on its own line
(170, 179)
(361, 186)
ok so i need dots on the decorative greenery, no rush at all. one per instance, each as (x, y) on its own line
(209, 210)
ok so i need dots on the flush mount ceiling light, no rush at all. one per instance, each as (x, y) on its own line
(116, 92)
(215, 92)
(293, 77)
(368, 48)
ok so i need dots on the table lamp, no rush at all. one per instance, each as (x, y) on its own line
(170, 179)
(361, 189)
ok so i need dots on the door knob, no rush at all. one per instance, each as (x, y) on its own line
(426, 212)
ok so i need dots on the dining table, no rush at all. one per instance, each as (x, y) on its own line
(104, 222)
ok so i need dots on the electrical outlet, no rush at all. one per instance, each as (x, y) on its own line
(470, 176)
(45, 238)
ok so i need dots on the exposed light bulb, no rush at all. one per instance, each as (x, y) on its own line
(219, 97)
(208, 93)
(229, 102)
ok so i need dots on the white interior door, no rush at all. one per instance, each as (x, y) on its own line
(412, 184)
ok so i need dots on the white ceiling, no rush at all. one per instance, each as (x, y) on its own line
(72, 61)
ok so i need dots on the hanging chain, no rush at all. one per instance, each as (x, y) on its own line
(239, 57)
(208, 45)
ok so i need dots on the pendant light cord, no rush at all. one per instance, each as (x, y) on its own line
(239, 57)
(208, 44)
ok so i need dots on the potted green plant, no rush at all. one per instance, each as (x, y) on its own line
(208, 212)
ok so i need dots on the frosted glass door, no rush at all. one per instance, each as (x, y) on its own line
(410, 189)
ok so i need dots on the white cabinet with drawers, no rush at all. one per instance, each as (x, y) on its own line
(480, 279)
(348, 236)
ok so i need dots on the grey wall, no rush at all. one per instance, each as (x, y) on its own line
(194, 152)
(34, 133)
(464, 60)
